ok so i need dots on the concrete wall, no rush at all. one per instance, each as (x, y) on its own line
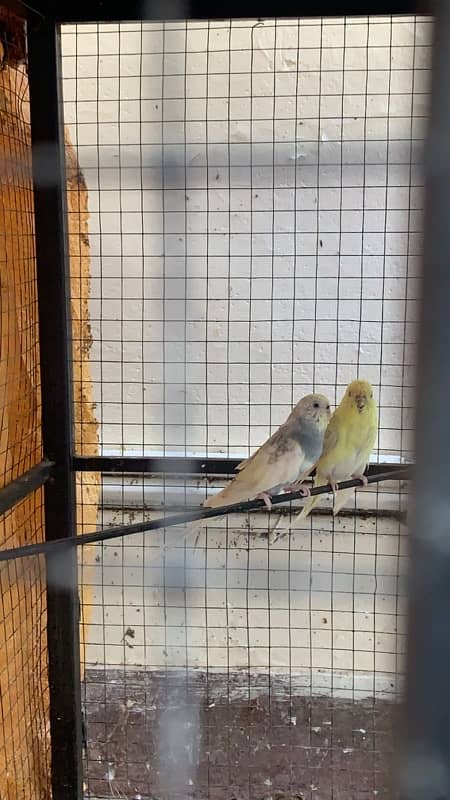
(255, 198)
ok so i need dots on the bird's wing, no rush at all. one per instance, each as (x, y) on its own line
(267, 443)
(331, 437)
(341, 499)
(367, 444)
(276, 464)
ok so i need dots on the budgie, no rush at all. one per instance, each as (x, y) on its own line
(348, 442)
(284, 459)
(282, 462)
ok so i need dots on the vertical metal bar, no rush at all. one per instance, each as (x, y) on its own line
(47, 135)
(425, 770)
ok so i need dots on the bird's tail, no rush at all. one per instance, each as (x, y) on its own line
(341, 499)
(312, 501)
(216, 500)
(236, 491)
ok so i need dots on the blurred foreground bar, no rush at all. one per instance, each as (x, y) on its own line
(425, 767)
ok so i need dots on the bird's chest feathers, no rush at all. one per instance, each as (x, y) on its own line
(307, 436)
(356, 434)
(353, 446)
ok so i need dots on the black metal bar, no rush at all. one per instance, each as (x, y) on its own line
(425, 772)
(47, 135)
(18, 489)
(188, 516)
(107, 11)
(177, 465)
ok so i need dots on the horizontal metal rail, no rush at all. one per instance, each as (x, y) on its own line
(188, 516)
(80, 11)
(177, 465)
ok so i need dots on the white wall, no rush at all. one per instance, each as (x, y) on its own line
(323, 609)
(255, 198)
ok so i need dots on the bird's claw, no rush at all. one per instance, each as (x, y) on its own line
(298, 487)
(266, 497)
(363, 478)
(334, 487)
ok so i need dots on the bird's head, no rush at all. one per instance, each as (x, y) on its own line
(359, 394)
(314, 407)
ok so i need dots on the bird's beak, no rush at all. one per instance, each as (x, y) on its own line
(361, 401)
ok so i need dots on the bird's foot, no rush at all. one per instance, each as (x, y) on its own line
(334, 487)
(298, 487)
(362, 478)
(266, 497)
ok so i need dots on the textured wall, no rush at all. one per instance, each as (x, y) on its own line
(255, 196)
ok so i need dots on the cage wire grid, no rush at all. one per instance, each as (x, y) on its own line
(255, 198)
(25, 745)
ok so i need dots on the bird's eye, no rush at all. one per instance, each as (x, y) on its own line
(328, 408)
(316, 405)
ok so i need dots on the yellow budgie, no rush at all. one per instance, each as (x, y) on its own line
(348, 442)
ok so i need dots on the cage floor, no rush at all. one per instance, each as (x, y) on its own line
(164, 736)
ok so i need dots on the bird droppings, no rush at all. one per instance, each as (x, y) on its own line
(130, 633)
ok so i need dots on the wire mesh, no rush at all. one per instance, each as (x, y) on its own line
(255, 194)
(25, 739)
(24, 716)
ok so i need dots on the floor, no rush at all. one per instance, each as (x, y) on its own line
(167, 736)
